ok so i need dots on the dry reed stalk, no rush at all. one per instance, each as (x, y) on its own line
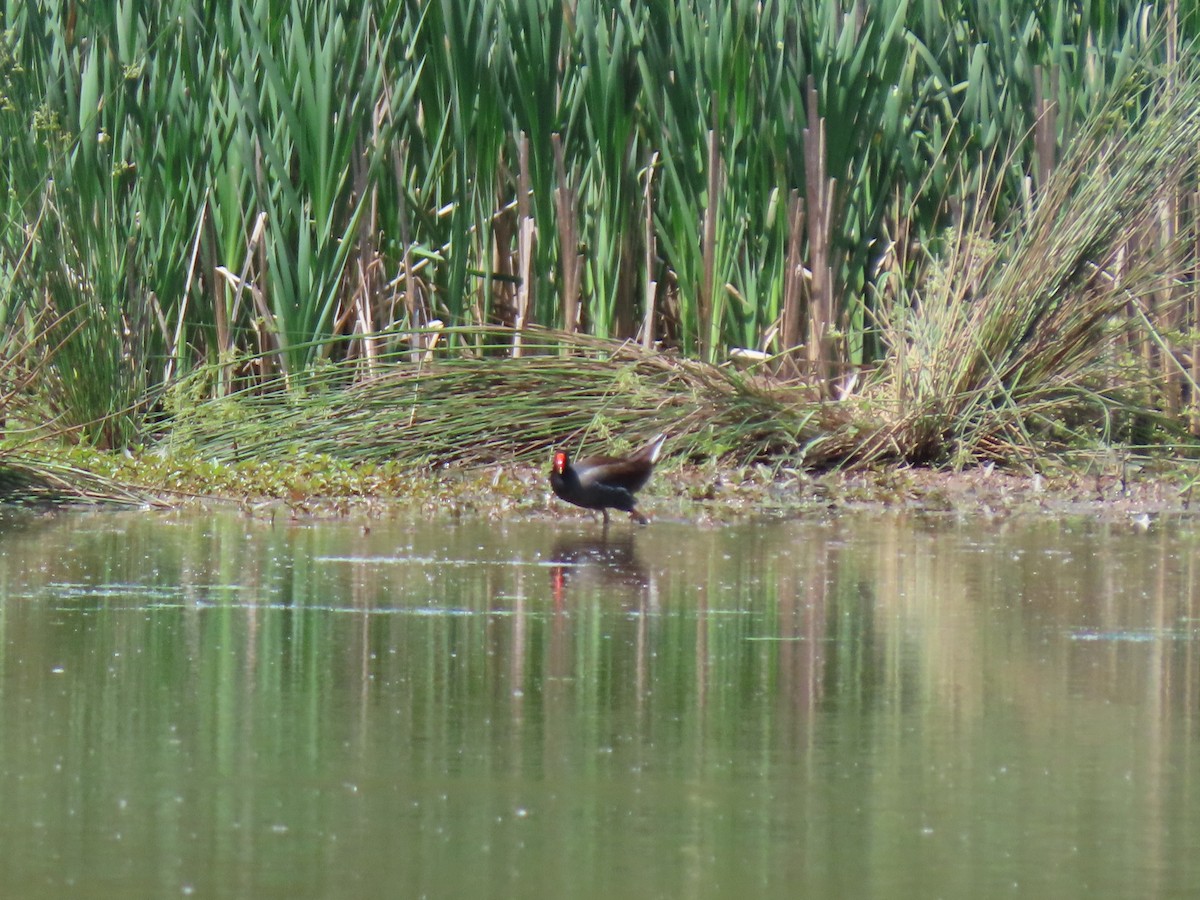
(525, 238)
(177, 337)
(1195, 309)
(818, 206)
(365, 257)
(502, 280)
(570, 260)
(708, 244)
(1045, 129)
(650, 250)
(791, 329)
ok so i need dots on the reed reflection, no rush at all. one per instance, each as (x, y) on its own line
(923, 687)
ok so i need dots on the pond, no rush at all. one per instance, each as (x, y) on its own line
(846, 705)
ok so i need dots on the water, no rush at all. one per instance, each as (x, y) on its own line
(879, 705)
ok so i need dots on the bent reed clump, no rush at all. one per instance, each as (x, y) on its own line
(475, 409)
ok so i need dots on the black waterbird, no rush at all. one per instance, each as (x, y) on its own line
(605, 482)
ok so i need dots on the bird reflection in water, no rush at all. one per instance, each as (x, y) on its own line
(583, 563)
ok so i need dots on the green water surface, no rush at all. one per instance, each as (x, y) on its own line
(874, 705)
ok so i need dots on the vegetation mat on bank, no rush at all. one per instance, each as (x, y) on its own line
(570, 390)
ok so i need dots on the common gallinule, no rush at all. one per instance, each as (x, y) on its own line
(604, 483)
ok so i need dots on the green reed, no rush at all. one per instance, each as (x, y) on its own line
(268, 186)
(1021, 339)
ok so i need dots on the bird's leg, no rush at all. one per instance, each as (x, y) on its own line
(605, 511)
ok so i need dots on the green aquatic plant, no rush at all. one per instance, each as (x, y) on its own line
(1002, 345)
(698, 173)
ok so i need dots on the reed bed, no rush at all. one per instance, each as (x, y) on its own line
(1035, 337)
(213, 214)
(1022, 338)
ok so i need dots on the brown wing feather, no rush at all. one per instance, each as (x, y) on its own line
(630, 473)
(614, 472)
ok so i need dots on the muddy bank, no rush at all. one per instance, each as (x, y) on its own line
(711, 495)
(320, 486)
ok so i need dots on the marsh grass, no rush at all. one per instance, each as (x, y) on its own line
(449, 408)
(1009, 336)
(30, 477)
(953, 230)
(278, 176)
(1010, 343)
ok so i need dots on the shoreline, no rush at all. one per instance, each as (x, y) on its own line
(1116, 488)
(713, 496)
